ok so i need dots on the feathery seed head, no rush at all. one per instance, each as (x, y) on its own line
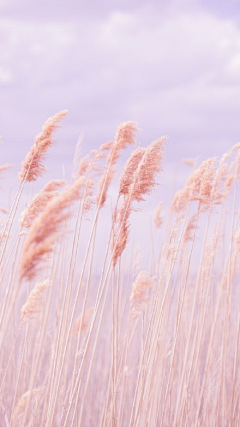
(32, 166)
(35, 300)
(140, 293)
(158, 215)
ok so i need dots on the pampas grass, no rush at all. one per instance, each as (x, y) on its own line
(92, 335)
(32, 166)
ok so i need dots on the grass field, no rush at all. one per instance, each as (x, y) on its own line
(91, 338)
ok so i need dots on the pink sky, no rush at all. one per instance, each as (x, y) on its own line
(173, 66)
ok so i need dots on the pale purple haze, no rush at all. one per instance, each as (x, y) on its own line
(172, 66)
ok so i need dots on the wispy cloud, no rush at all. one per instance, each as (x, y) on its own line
(175, 70)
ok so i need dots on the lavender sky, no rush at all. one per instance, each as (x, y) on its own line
(172, 66)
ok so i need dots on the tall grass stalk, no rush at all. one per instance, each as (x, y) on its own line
(92, 336)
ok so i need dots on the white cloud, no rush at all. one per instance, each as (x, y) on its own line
(175, 73)
(29, 50)
(5, 76)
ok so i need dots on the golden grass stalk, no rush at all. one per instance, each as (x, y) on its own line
(35, 301)
(138, 179)
(125, 136)
(140, 293)
(39, 202)
(32, 166)
(46, 228)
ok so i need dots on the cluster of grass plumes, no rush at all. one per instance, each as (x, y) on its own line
(90, 333)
